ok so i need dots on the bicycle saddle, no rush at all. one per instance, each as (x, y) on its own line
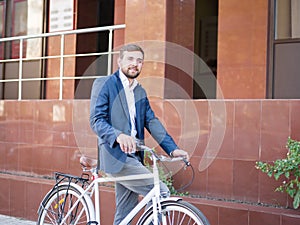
(88, 162)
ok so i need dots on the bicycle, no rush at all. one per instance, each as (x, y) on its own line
(70, 200)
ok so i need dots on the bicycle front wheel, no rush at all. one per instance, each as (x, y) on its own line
(175, 213)
(58, 204)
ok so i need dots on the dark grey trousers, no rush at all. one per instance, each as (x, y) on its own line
(127, 192)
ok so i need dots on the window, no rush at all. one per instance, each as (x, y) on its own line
(284, 50)
(33, 68)
(19, 18)
(287, 19)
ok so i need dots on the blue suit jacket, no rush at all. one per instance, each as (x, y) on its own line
(109, 117)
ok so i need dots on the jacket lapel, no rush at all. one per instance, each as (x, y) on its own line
(121, 95)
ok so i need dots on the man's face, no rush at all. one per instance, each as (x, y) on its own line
(131, 64)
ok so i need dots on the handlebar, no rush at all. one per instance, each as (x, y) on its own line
(162, 157)
(88, 162)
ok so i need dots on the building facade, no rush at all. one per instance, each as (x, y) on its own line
(222, 75)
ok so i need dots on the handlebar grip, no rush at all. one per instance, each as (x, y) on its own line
(187, 163)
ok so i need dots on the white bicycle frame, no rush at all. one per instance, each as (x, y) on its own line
(153, 195)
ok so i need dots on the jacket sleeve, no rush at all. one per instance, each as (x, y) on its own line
(99, 112)
(158, 131)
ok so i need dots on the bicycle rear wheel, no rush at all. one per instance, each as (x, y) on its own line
(58, 202)
(175, 213)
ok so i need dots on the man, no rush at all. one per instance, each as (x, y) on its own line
(119, 112)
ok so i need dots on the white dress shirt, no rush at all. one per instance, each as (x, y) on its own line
(130, 100)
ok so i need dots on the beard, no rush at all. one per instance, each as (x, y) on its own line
(131, 76)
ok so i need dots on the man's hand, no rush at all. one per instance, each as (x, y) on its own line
(180, 153)
(127, 143)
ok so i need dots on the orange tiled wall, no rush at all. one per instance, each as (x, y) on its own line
(40, 137)
(242, 48)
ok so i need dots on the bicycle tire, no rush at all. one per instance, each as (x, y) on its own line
(57, 203)
(175, 213)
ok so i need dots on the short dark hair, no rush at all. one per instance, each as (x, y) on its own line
(130, 48)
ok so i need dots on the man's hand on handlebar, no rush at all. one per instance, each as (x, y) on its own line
(180, 153)
(127, 143)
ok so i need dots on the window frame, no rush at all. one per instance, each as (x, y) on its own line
(272, 41)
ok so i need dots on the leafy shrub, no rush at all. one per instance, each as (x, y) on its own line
(165, 177)
(288, 169)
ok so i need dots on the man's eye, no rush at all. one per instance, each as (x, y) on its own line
(132, 59)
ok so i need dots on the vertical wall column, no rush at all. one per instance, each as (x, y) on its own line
(242, 48)
(180, 54)
(146, 25)
(166, 31)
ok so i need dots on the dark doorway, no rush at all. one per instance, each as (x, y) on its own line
(206, 41)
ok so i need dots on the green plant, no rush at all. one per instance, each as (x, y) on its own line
(287, 169)
(165, 177)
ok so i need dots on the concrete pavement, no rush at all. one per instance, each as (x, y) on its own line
(5, 220)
